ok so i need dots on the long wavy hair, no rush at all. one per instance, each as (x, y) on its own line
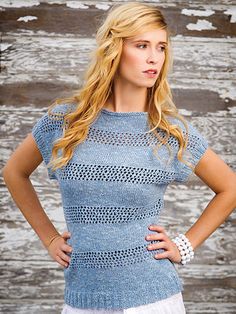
(123, 21)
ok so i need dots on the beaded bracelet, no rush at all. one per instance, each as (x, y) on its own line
(185, 248)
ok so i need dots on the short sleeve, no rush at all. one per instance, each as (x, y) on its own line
(45, 131)
(196, 147)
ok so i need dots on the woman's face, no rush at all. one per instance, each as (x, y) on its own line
(141, 53)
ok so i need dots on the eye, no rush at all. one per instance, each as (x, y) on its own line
(141, 45)
(163, 48)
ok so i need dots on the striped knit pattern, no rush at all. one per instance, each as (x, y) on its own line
(112, 190)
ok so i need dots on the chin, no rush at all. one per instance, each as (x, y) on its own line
(149, 85)
(144, 84)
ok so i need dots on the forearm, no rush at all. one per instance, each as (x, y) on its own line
(218, 209)
(26, 199)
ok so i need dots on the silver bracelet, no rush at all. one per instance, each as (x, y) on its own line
(185, 248)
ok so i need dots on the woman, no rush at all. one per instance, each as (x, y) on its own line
(113, 148)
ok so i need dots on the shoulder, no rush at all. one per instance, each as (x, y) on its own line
(60, 110)
(197, 144)
(192, 132)
(175, 121)
(53, 119)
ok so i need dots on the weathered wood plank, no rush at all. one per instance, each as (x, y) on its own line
(80, 4)
(182, 208)
(195, 57)
(207, 308)
(201, 283)
(29, 306)
(208, 21)
(200, 64)
(191, 94)
(44, 58)
(217, 249)
(16, 122)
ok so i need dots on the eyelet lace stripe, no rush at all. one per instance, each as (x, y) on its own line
(111, 259)
(74, 171)
(96, 135)
(122, 138)
(110, 214)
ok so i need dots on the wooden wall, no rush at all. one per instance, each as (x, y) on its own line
(45, 47)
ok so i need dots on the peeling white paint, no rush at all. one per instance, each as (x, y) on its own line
(19, 3)
(226, 93)
(27, 18)
(102, 6)
(232, 12)
(200, 25)
(232, 110)
(222, 88)
(76, 5)
(193, 39)
(190, 12)
(5, 46)
(212, 60)
(185, 112)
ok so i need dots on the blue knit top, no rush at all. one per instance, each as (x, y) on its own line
(112, 190)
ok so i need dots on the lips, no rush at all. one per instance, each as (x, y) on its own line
(151, 71)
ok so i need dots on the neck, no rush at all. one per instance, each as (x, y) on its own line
(127, 98)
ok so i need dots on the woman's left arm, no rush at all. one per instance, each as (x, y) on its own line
(213, 171)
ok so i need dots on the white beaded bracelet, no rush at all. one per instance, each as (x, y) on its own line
(185, 248)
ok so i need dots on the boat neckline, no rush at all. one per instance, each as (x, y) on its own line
(124, 113)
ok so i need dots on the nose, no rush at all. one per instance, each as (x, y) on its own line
(153, 57)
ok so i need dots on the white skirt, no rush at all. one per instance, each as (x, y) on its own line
(172, 305)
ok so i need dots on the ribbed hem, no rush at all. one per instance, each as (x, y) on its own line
(124, 300)
(92, 300)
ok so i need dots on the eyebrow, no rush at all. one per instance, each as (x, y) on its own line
(147, 41)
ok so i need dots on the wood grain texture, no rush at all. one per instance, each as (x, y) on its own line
(181, 210)
(45, 49)
(216, 22)
(33, 60)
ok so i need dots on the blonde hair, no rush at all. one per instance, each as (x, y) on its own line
(123, 21)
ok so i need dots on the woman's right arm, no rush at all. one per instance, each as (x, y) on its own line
(23, 161)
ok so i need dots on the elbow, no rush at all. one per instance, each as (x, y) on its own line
(9, 172)
(229, 186)
(232, 185)
(5, 172)
(11, 175)
(232, 190)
